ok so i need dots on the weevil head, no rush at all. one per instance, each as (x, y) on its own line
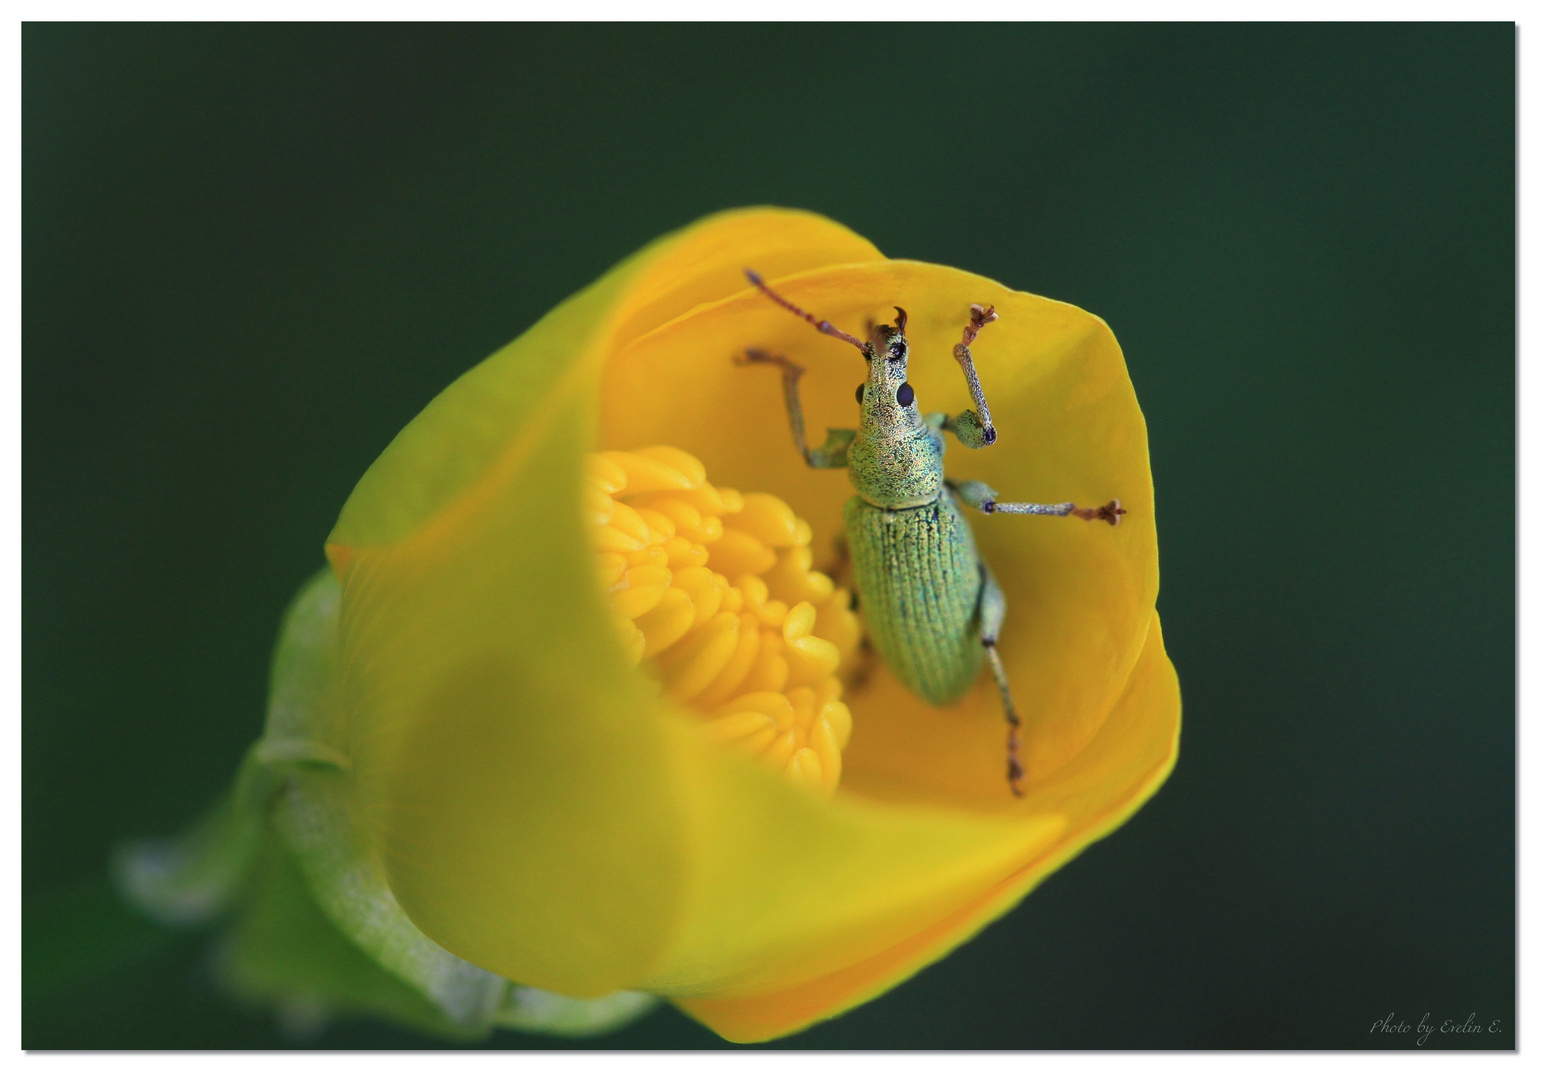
(896, 461)
(887, 405)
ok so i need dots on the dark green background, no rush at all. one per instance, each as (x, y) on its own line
(251, 254)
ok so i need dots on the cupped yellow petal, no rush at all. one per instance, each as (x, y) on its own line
(538, 806)
(511, 768)
(506, 759)
(1103, 785)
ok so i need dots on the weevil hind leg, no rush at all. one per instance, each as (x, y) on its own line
(991, 608)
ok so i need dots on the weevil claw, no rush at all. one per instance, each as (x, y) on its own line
(980, 317)
(1110, 513)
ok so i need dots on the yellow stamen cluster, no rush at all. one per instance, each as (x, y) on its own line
(715, 588)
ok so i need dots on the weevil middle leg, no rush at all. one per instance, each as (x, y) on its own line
(977, 494)
(990, 609)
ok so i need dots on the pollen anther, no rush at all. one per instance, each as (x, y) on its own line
(715, 588)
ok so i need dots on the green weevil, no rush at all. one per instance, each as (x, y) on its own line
(930, 604)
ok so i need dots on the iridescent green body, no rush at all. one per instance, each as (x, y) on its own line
(919, 578)
(931, 606)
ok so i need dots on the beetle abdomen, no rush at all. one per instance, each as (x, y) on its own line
(918, 580)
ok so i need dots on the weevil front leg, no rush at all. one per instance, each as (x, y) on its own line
(990, 608)
(977, 494)
(833, 453)
(973, 428)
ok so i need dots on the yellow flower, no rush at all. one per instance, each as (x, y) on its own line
(542, 810)
(490, 784)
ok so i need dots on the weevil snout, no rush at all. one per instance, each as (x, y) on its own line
(889, 343)
(886, 396)
(887, 354)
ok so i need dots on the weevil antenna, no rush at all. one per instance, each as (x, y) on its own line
(820, 324)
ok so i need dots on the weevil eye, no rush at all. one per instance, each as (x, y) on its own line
(895, 353)
(904, 394)
(860, 394)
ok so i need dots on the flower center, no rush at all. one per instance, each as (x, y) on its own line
(715, 588)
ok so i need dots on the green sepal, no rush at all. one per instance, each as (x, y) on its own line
(312, 816)
(283, 951)
(190, 879)
(316, 928)
(529, 1009)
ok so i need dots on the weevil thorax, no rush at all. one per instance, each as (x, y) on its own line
(896, 461)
